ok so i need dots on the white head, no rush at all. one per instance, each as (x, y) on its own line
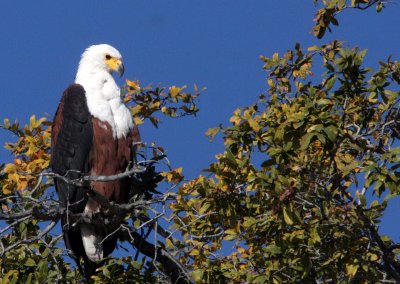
(103, 95)
(98, 58)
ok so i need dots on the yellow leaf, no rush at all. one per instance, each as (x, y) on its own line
(39, 122)
(351, 269)
(136, 109)
(22, 184)
(32, 121)
(286, 217)
(138, 120)
(194, 252)
(235, 120)
(373, 256)
(197, 275)
(6, 123)
(133, 85)
(230, 232)
(10, 168)
(174, 91)
(254, 125)
(348, 183)
(12, 274)
(169, 244)
(211, 132)
(7, 189)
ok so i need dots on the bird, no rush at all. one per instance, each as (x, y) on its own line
(92, 134)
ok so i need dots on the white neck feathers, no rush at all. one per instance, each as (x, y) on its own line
(103, 97)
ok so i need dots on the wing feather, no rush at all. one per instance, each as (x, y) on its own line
(72, 138)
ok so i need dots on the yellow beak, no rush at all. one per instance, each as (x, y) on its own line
(121, 69)
(116, 65)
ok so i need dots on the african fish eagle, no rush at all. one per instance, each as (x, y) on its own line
(92, 134)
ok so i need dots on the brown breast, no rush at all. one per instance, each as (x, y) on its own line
(110, 156)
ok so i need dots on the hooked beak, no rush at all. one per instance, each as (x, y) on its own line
(121, 69)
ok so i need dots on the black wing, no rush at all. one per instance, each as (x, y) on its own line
(71, 141)
(72, 137)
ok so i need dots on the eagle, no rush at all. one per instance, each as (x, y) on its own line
(92, 134)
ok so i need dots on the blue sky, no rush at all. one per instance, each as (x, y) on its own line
(214, 44)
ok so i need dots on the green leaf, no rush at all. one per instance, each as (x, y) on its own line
(261, 279)
(306, 140)
(197, 275)
(331, 132)
(315, 236)
(249, 221)
(30, 262)
(330, 82)
(106, 272)
(204, 207)
(374, 204)
(379, 7)
(231, 159)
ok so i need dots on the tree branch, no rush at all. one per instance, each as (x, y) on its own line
(84, 180)
(111, 214)
(173, 268)
(28, 241)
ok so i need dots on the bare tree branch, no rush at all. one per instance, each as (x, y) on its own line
(85, 179)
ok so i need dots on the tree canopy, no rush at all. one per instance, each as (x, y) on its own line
(297, 195)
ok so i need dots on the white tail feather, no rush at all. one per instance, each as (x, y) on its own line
(91, 242)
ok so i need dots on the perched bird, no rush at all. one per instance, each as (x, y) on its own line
(92, 134)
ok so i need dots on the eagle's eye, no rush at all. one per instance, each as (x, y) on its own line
(108, 57)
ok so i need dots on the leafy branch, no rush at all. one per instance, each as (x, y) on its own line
(110, 215)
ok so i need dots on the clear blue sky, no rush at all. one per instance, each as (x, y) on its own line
(214, 44)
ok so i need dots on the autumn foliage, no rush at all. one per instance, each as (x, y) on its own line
(297, 195)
